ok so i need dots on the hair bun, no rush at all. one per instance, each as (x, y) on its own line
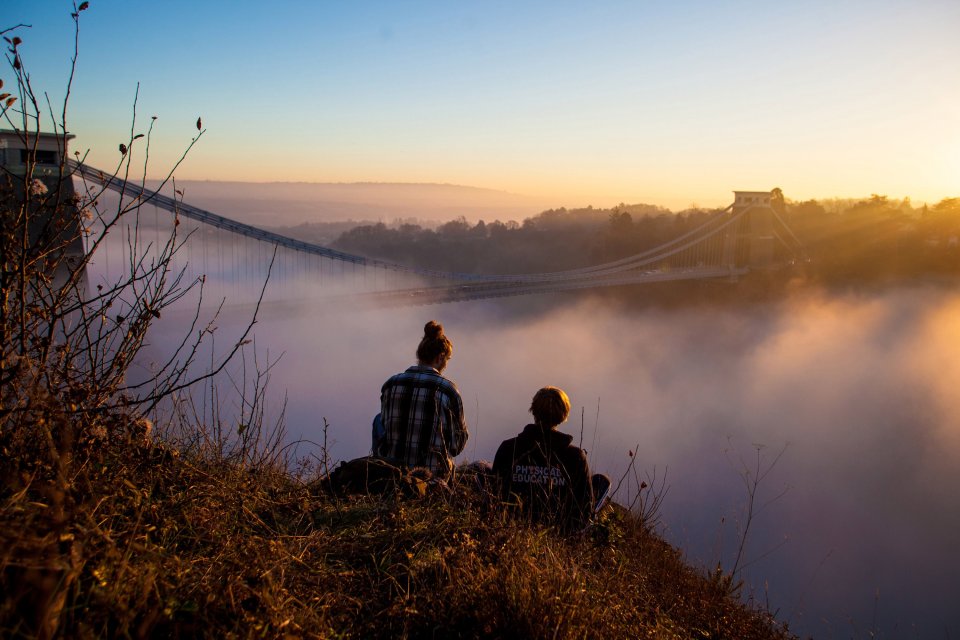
(432, 330)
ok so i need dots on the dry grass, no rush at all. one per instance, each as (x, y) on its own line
(126, 538)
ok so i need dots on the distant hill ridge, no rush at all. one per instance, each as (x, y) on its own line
(294, 203)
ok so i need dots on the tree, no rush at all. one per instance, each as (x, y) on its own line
(777, 201)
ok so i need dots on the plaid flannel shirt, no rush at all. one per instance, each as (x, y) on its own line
(423, 417)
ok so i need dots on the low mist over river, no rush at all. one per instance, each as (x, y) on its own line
(854, 525)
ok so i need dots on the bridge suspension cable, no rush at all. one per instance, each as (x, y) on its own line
(710, 250)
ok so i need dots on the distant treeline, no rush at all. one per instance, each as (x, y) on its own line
(553, 240)
(848, 242)
(877, 239)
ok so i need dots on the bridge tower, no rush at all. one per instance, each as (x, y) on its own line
(48, 152)
(756, 205)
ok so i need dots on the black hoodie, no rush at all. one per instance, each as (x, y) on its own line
(549, 477)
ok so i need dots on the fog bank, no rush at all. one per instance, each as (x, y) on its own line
(859, 390)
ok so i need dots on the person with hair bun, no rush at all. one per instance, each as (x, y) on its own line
(542, 473)
(421, 412)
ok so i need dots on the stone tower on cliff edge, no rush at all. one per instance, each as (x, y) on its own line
(49, 153)
(757, 205)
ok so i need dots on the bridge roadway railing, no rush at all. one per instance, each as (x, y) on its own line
(480, 291)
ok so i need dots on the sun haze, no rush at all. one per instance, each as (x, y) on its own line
(573, 104)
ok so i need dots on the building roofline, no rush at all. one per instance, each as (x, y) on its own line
(36, 134)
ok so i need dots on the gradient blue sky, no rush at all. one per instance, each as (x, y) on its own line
(671, 103)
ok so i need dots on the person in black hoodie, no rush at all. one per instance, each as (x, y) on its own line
(541, 473)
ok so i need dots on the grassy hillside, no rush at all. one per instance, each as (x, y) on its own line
(107, 533)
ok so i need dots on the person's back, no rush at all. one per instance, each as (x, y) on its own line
(421, 411)
(541, 471)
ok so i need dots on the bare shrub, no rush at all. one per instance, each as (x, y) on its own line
(73, 421)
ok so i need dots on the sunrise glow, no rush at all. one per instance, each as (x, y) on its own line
(668, 103)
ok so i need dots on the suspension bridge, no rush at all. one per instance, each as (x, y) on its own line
(747, 235)
(233, 258)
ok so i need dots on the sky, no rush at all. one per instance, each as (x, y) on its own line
(675, 103)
